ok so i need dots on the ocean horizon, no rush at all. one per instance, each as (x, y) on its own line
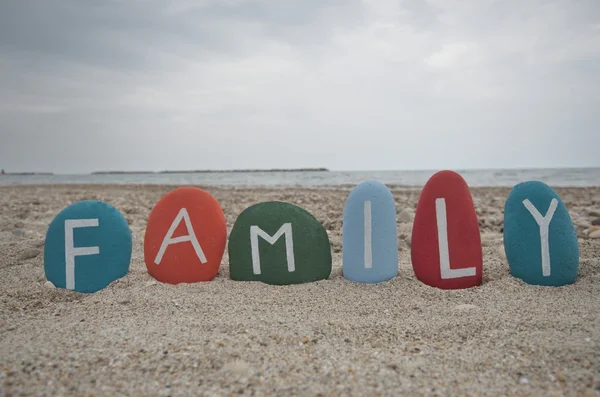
(555, 177)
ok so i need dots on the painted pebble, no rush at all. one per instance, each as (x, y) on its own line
(185, 237)
(369, 235)
(539, 237)
(88, 246)
(446, 244)
(278, 243)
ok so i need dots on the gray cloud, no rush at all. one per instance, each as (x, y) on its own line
(342, 84)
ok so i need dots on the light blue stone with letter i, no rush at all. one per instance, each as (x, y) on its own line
(88, 246)
(369, 235)
(539, 237)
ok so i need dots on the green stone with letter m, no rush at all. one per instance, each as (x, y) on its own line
(278, 243)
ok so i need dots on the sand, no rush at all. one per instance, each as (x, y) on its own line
(333, 337)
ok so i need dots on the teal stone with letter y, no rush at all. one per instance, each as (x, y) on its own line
(88, 246)
(278, 243)
(539, 237)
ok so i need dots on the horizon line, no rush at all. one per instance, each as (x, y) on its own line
(300, 169)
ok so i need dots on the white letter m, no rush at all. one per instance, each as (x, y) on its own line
(286, 229)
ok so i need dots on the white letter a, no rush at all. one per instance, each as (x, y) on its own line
(183, 214)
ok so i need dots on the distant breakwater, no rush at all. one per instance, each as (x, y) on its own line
(25, 173)
(210, 171)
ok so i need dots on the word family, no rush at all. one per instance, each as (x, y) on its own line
(89, 243)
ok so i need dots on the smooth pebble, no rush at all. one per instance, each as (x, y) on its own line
(466, 307)
(19, 232)
(405, 217)
(237, 366)
(30, 253)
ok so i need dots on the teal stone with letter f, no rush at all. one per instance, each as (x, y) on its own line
(539, 237)
(88, 246)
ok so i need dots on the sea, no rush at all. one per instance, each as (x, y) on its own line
(559, 177)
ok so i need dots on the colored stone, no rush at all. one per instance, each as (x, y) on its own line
(539, 237)
(88, 246)
(185, 237)
(278, 243)
(446, 243)
(369, 235)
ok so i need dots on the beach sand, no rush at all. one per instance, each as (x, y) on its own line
(334, 337)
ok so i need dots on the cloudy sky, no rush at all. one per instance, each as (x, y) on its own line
(345, 84)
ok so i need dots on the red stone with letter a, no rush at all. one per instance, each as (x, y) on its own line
(185, 237)
(446, 244)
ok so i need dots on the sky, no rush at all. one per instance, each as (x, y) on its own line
(343, 84)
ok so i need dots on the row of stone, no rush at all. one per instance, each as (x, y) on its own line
(89, 244)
